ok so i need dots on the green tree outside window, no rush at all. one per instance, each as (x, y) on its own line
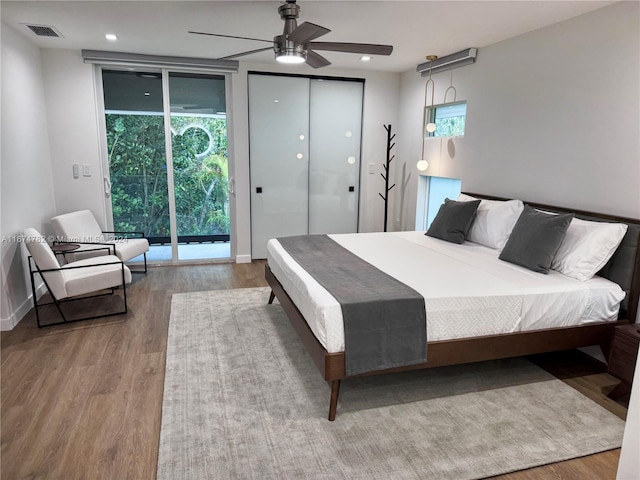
(138, 173)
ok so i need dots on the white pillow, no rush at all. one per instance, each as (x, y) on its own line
(587, 247)
(494, 221)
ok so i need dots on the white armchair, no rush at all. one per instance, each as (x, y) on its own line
(74, 279)
(81, 227)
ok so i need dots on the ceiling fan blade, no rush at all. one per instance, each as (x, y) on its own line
(316, 61)
(307, 31)
(364, 48)
(236, 55)
(230, 36)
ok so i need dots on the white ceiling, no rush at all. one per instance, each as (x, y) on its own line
(414, 28)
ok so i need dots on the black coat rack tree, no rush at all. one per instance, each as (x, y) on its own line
(385, 175)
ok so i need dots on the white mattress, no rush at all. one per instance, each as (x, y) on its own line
(468, 291)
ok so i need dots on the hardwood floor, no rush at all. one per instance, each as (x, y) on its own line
(83, 401)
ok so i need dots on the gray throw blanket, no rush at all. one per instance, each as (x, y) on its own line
(384, 319)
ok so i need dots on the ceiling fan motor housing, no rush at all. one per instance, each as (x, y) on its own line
(289, 12)
(282, 46)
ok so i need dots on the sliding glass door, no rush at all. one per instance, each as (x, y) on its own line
(167, 161)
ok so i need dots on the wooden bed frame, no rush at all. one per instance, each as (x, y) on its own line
(490, 347)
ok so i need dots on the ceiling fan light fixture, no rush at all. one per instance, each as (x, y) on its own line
(288, 52)
(290, 57)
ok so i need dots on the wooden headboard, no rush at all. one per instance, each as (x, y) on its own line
(624, 266)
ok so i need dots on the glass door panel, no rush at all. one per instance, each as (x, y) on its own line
(200, 165)
(139, 167)
(334, 168)
(136, 155)
(279, 157)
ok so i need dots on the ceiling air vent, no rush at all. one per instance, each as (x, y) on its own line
(44, 30)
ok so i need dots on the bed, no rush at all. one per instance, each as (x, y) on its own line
(478, 307)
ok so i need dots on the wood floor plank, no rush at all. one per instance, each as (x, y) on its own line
(146, 396)
(84, 401)
(601, 466)
(101, 433)
(40, 406)
(109, 360)
(54, 437)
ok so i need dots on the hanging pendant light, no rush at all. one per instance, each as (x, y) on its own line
(431, 126)
(422, 164)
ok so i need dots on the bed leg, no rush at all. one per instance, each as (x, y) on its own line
(271, 297)
(333, 405)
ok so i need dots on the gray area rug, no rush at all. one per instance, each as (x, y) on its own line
(242, 400)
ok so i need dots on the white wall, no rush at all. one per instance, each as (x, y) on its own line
(552, 116)
(26, 173)
(73, 132)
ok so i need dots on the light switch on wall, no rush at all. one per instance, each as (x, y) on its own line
(86, 170)
(76, 170)
(372, 168)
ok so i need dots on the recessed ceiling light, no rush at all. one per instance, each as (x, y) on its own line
(146, 94)
(112, 37)
(365, 58)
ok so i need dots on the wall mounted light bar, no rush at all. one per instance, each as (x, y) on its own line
(442, 64)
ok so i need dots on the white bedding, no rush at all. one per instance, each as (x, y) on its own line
(468, 291)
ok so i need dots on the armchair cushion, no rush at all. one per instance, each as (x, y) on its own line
(97, 276)
(129, 248)
(82, 227)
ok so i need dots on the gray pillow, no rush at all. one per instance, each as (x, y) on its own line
(453, 220)
(535, 239)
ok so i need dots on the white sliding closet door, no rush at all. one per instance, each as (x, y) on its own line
(279, 158)
(334, 152)
(304, 147)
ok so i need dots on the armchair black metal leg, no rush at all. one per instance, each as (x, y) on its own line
(145, 265)
(36, 304)
(124, 289)
(57, 304)
(34, 296)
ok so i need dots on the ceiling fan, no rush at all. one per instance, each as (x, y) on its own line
(295, 45)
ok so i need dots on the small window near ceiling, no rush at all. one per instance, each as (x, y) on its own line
(449, 119)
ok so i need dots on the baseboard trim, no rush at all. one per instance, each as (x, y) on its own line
(243, 258)
(18, 314)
